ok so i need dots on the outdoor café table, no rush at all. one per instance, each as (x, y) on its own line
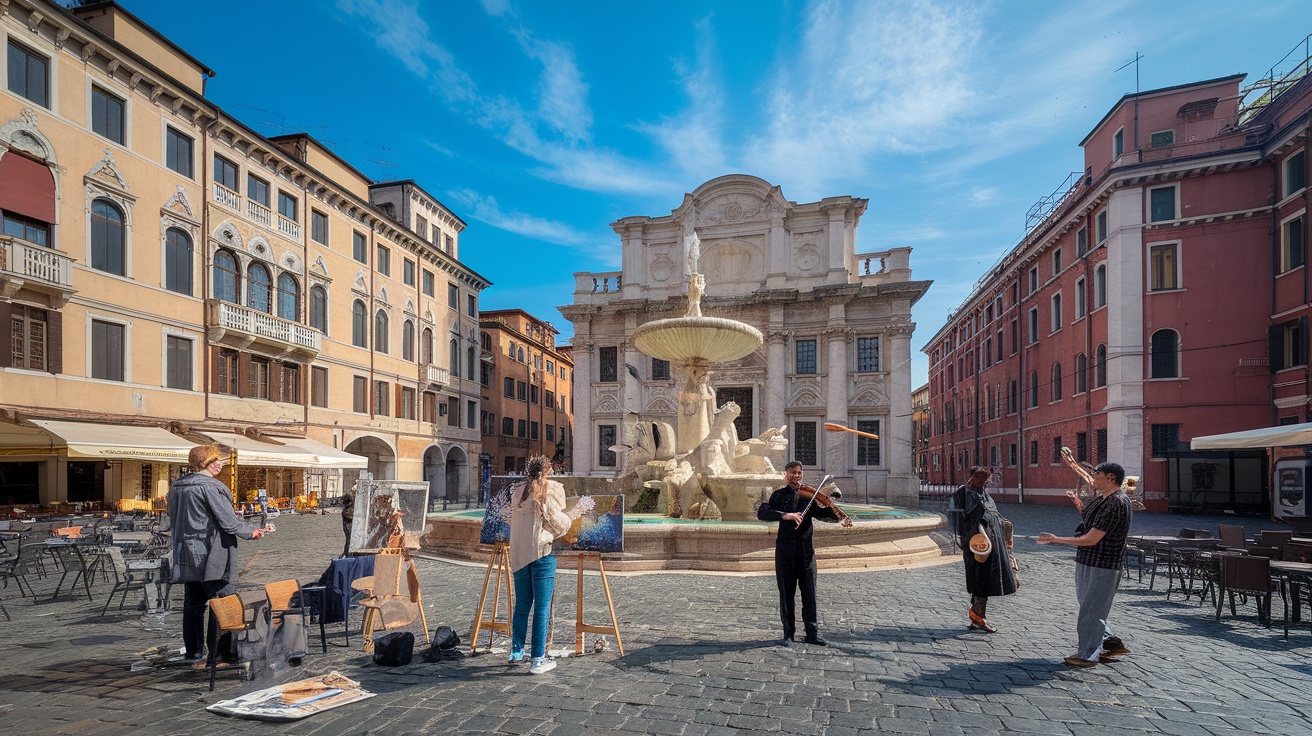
(1183, 558)
(1293, 575)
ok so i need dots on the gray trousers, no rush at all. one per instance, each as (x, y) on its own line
(1095, 587)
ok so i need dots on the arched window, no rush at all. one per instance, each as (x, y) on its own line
(1165, 354)
(259, 288)
(359, 325)
(1099, 286)
(1081, 373)
(289, 297)
(427, 346)
(227, 279)
(107, 236)
(473, 363)
(521, 355)
(177, 261)
(408, 340)
(1100, 367)
(487, 342)
(319, 308)
(380, 331)
(1056, 381)
(455, 358)
(1034, 389)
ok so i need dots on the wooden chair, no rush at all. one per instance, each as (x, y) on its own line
(393, 598)
(1232, 536)
(1247, 575)
(232, 615)
(1277, 539)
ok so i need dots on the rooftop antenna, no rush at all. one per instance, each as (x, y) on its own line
(1135, 61)
(380, 161)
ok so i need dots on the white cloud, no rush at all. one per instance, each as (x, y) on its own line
(983, 195)
(693, 136)
(486, 209)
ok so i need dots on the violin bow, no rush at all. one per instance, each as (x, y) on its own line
(807, 507)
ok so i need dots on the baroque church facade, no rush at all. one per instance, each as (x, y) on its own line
(837, 326)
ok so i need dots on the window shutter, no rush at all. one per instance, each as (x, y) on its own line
(1301, 348)
(6, 338)
(1275, 347)
(398, 412)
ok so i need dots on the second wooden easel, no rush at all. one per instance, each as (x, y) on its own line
(581, 628)
(500, 563)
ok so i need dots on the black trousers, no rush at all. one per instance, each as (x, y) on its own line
(196, 595)
(791, 573)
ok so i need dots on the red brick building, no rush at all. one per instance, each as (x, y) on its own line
(1162, 296)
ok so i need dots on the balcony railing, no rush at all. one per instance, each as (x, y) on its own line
(227, 197)
(24, 264)
(290, 228)
(251, 325)
(436, 376)
(259, 213)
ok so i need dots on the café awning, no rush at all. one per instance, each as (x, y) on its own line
(1285, 436)
(114, 441)
(329, 457)
(258, 453)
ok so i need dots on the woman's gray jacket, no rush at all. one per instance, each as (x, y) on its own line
(205, 529)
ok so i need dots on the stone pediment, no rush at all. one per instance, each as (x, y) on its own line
(658, 406)
(805, 397)
(22, 135)
(319, 268)
(105, 173)
(179, 206)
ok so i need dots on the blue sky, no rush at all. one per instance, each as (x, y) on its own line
(539, 123)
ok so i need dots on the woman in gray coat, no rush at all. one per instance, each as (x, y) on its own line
(205, 531)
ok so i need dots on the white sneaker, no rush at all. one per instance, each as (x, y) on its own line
(541, 665)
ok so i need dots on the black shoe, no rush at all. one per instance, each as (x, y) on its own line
(787, 641)
(816, 640)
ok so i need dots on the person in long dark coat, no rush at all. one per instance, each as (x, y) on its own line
(794, 553)
(975, 510)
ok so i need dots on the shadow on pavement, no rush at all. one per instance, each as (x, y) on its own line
(687, 651)
(977, 677)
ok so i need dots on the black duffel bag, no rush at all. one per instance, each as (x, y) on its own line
(394, 649)
(445, 641)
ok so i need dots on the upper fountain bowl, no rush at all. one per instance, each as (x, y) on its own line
(688, 339)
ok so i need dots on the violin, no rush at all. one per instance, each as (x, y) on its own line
(824, 500)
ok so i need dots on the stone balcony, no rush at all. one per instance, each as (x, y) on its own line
(289, 228)
(259, 213)
(880, 267)
(435, 376)
(25, 265)
(227, 197)
(243, 328)
(597, 288)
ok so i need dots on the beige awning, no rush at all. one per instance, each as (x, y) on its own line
(1288, 435)
(114, 441)
(257, 453)
(329, 457)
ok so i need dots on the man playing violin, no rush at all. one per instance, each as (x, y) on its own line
(794, 553)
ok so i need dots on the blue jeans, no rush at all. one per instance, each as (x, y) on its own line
(534, 585)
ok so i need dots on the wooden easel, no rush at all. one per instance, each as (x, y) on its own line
(581, 628)
(500, 560)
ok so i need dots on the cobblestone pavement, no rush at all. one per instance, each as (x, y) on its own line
(701, 658)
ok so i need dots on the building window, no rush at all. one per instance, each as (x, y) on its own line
(521, 391)
(454, 358)
(257, 190)
(29, 75)
(1166, 439)
(1034, 390)
(1034, 279)
(1163, 267)
(178, 151)
(426, 345)
(1100, 367)
(1161, 204)
(1082, 241)
(289, 297)
(484, 375)
(607, 364)
(1056, 450)
(805, 440)
(1295, 173)
(1055, 317)
(290, 385)
(384, 261)
(1081, 373)
(319, 308)
(1056, 259)
(25, 228)
(867, 448)
(449, 244)
(359, 325)
(318, 227)
(380, 332)
(660, 369)
(471, 414)
(806, 362)
(1011, 454)
(1034, 325)
(360, 395)
(605, 441)
(1056, 382)
(533, 394)
(551, 432)
(107, 115)
(471, 359)
(1293, 246)
(1080, 309)
(430, 288)
(471, 305)
(408, 272)
(453, 296)
(508, 426)
(867, 354)
(407, 403)
(1101, 224)
(259, 288)
(225, 173)
(1165, 354)
(1161, 139)
(1082, 446)
(286, 205)
(107, 236)
(177, 261)
(29, 330)
(549, 400)
(533, 430)
(408, 340)
(318, 386)
(1289, 344)
(178, 363)
(225, 374)
(1100, 445)
(359, 247)
(382, 396)
(257, 378)
(508, 387)
(1100, 286)
(1118, 144)
(1034, 452)
(421, 226)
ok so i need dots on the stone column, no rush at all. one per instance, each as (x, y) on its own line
(837, 459)
(584, 456)
(896, 443)
(779, 250)
(776, 377)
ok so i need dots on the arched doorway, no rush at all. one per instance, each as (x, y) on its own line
(382, 460)
(457, 473)
(434, 474)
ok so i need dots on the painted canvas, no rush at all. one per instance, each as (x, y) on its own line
(496, 517)
(384, 508)
(599, 530)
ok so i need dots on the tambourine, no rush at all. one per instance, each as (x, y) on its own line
(981, 546)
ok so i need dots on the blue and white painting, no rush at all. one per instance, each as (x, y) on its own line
(599, 530)
(496, 518)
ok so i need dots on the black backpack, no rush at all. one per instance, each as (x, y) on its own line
(394, 649)
(445, 641)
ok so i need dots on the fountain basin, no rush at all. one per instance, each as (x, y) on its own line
(697, 339)
(883, 537)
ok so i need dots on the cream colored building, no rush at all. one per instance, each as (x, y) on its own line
(168, 275)
(837, 327)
